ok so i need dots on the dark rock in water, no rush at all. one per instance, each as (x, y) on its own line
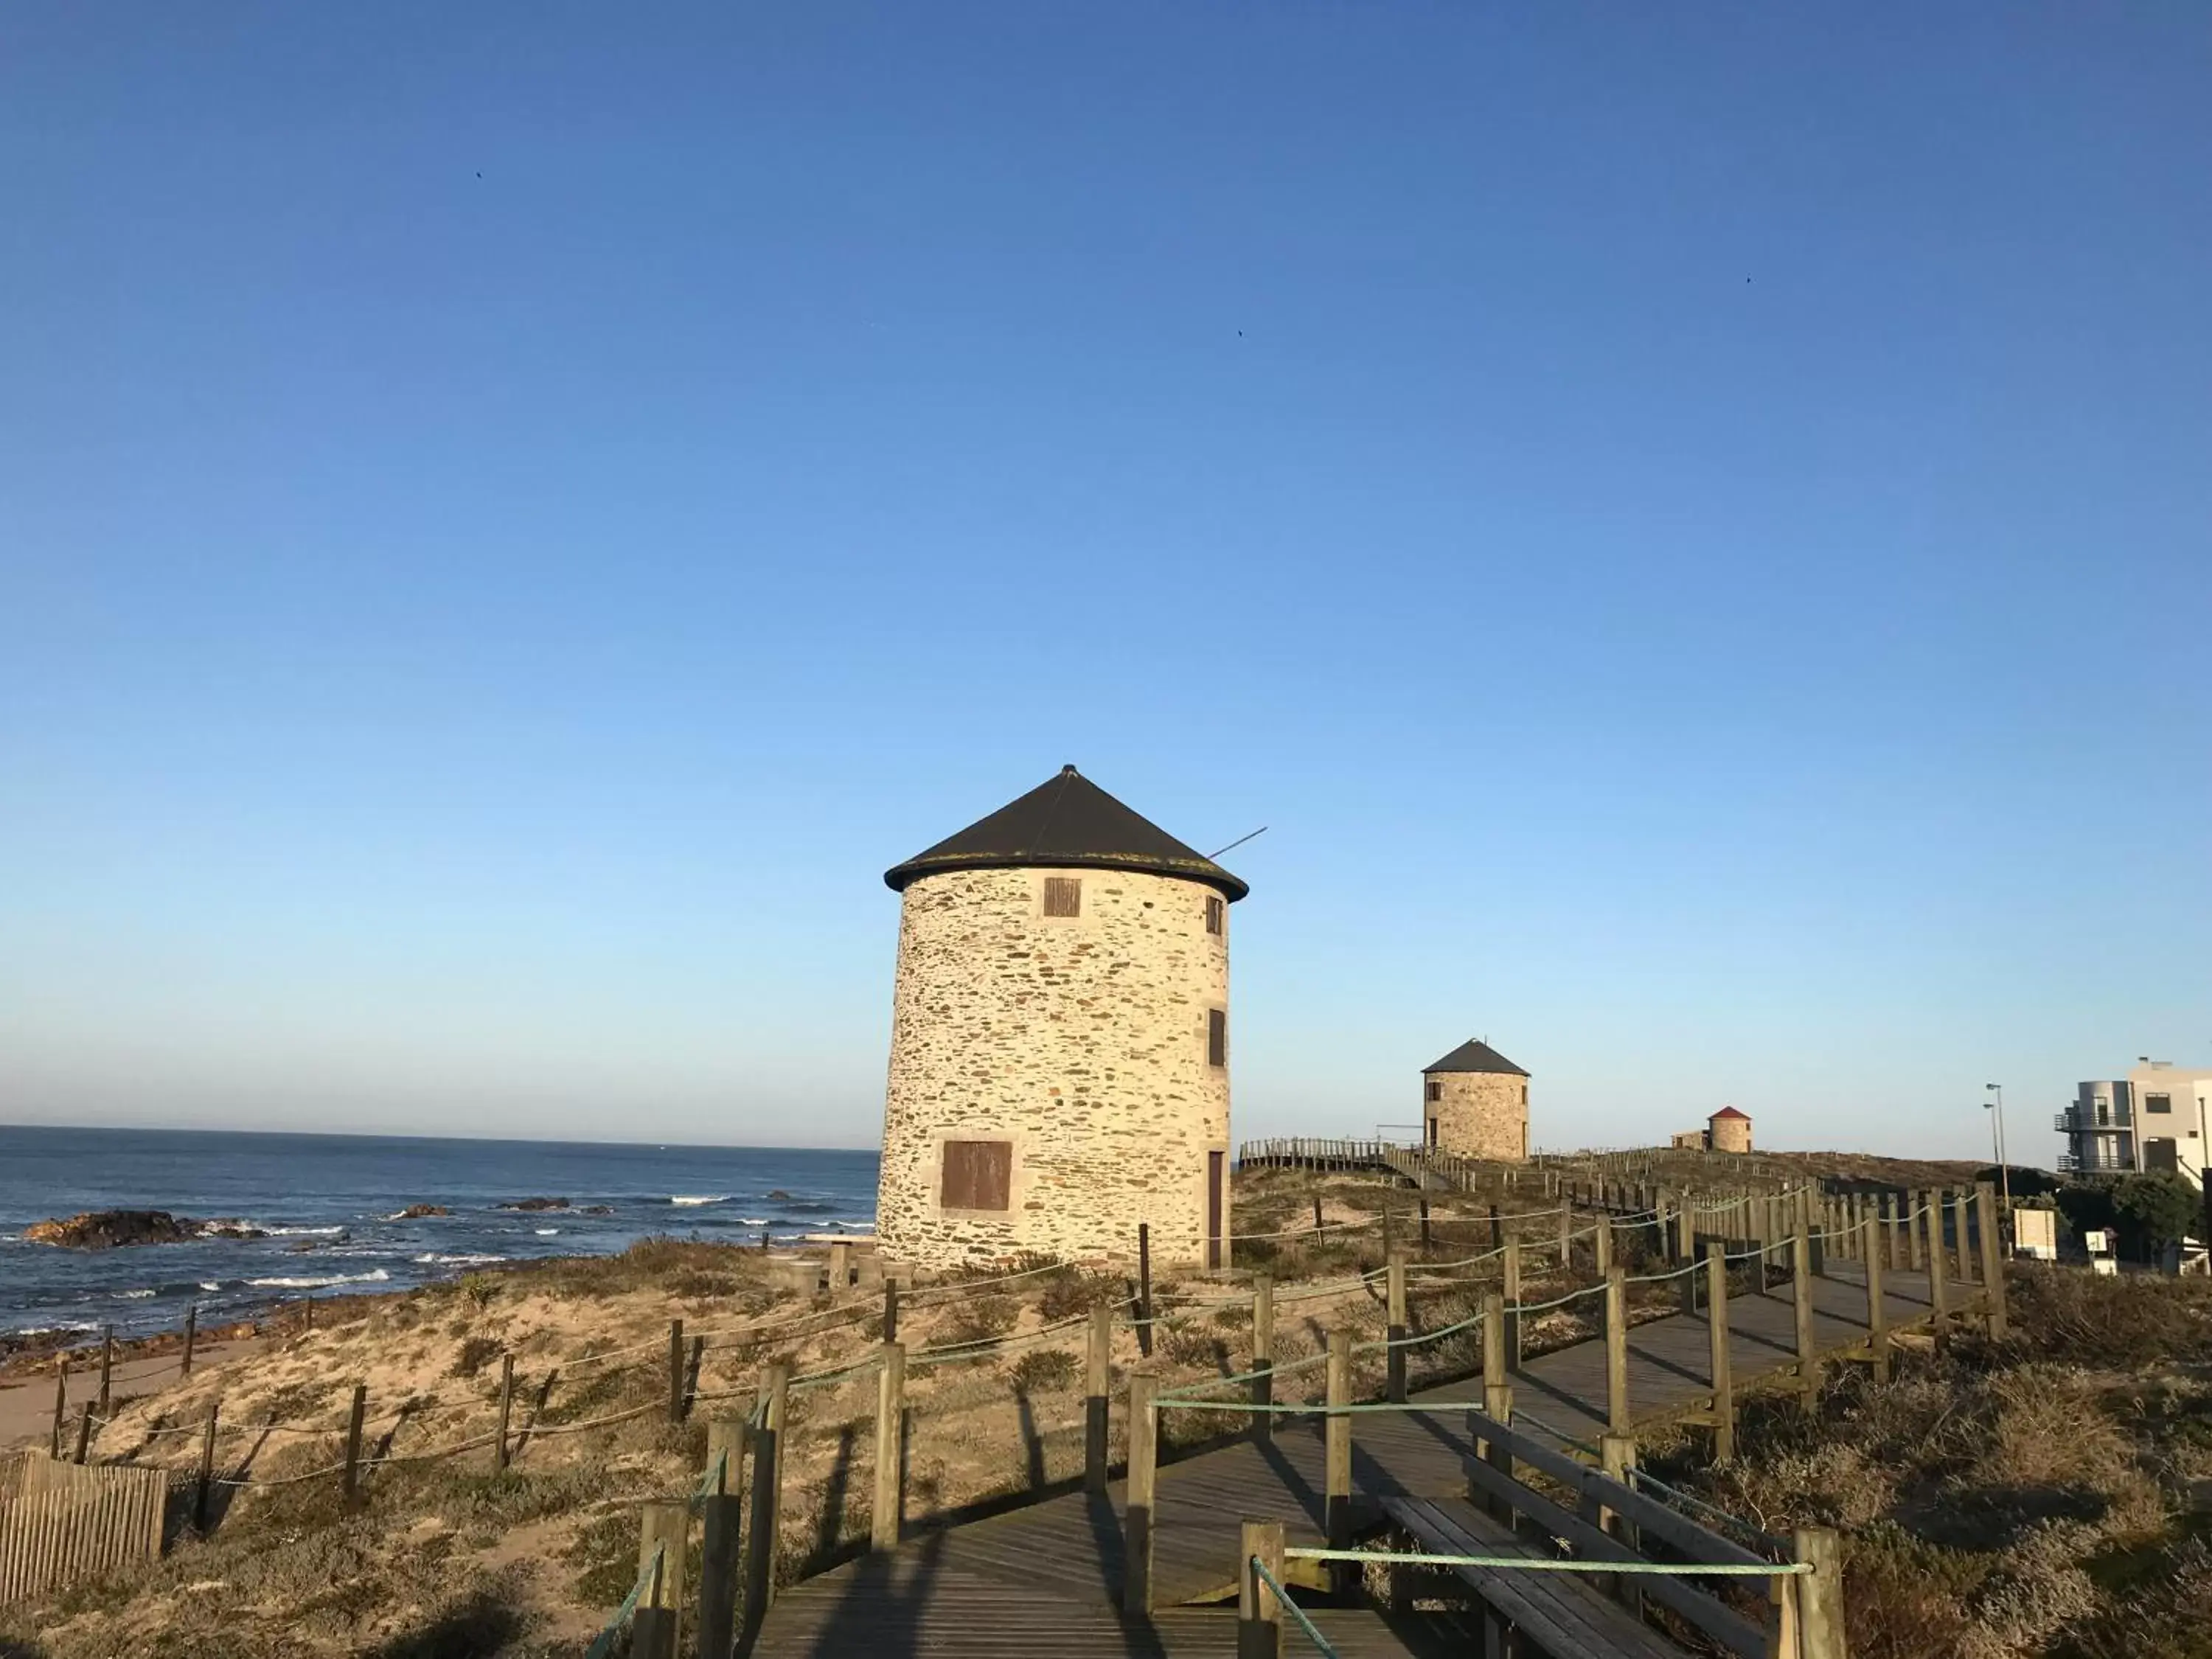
(536, 1204)
(105, 1230)
(597, 1209)
(416, 1211)
(804, 1207)
(778, 1195)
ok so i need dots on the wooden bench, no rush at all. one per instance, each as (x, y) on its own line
(1563, 1615)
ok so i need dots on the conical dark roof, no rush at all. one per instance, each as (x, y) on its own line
(1472, 1056)
(1068, 821)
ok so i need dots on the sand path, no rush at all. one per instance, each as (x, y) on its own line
(26, 1404)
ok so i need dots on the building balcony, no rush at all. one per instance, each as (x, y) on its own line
(2071, 1123)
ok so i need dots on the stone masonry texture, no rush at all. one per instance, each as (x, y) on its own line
(1081, 1040)
(1731, 1134)
(1480, 1114)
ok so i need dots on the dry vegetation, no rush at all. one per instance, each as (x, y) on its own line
(2038, 1497)
(2034, 1498)
(448, 1557)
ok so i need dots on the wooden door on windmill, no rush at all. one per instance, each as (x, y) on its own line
(1214, 1172)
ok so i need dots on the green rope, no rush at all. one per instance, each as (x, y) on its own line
(1298, 1614)
(1743, 1527)
(712, 1483)
(1547, 1563)
(604, 1644)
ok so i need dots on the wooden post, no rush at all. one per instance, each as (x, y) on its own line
(61, 1403)
(204, 1490)
(1098, 1371)
(506, 1409)
(1961, 1219)
(1877, 1303)
(1717, 1329)
(664, 1527)
(1617, 1461)
(1494, 1366)
(1497, 1407)
(1616, 1350)
(890, 1311)
(1394, 1355)
(1263, 1353)
(1602, 1238)
(192, 1336)
(107, 1369)
(676, 1371)
(1425, 1223)
(718, 1549)
(1497, 1230)
(1512, 1304)
(890, 1449)
(1914, 1204)
(1566, 1237)
(1145, 1288)
(1137, 1517)
(767, 1496)
(1390, 1240)
(1337, 1460)
(1801, 1297)
(1993, 1285)
(350, 1488)
(1258, 1613)
(1821, 1594)
(83, 1433)
(841, 1268)
(1939, 1286)
(1319, 1230)
(1685, 1233)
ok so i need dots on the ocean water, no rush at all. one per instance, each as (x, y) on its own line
(325, 1202)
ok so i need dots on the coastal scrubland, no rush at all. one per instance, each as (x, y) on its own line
(445, 1555)
(2045, 1495)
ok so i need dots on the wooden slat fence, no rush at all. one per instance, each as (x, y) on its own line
(60, 1522)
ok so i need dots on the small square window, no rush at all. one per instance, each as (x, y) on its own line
(977, 1175)
(1213, 909)
(1063, 896)
(1217, 1038)
(1436, 1089)
(2157, 1102)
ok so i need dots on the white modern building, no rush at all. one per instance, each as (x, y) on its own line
(2157, 1118)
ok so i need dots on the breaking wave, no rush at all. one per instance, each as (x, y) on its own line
(375, 1276)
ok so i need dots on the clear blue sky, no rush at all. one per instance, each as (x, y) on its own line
(1693, 525)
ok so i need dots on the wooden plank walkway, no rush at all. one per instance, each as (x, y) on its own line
(1046, 1578)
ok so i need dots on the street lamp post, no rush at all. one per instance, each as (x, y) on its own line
(1996, 1140)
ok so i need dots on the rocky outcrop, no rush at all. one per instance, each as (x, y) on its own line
(536, 1204)
(105, 1230)
(416, 1211)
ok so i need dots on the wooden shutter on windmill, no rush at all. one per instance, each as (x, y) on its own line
(1063, 896)
(978, 1175)
(1217, 1038)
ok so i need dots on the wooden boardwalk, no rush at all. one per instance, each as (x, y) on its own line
(1046, 1578)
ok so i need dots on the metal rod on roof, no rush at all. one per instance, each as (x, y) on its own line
(1239, 841)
